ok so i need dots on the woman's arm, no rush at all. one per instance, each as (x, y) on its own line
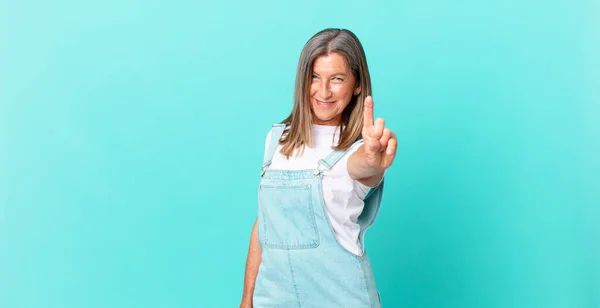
(360, 171)
(252, 264)
(368, 164)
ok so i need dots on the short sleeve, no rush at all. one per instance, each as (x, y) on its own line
(267, 141)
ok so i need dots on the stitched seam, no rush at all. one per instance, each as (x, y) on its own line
(293, 279)
(290, 246)
(313, 219)
(362, 271)
(335, 156)
(333, 159)
(279, 188)
(322, 206)
(326, 164)
(276, 134)
(315, 239)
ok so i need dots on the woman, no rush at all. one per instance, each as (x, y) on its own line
(321, 186)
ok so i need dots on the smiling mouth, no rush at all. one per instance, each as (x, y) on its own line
(324, 104)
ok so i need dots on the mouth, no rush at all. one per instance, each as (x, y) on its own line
(324, 104)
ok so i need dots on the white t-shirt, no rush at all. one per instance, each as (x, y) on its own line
(343, 196)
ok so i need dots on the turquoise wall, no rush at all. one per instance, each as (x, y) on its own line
(132, 132)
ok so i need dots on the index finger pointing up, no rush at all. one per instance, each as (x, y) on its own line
(368, 113)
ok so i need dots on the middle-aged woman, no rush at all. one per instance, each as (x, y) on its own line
(321, 186)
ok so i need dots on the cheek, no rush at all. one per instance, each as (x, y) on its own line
(342, 91)
(314, 88)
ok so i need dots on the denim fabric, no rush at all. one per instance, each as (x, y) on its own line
(303, 264)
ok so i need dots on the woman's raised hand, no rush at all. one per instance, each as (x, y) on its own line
(380, 143)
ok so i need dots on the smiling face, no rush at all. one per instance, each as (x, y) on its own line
(332, 88)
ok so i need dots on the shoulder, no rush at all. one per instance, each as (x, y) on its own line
(269, 134)
(354, 147)
(276, 128)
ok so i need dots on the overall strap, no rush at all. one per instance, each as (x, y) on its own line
(276, 133)
(333, 157)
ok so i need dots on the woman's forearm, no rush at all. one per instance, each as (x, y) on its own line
(252, 265)
(359, 170)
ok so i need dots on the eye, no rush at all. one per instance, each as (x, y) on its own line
(338, 79)
(315, 76)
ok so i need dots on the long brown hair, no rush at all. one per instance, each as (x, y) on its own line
(299, 122)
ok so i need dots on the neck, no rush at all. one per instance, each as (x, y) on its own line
(331, 122)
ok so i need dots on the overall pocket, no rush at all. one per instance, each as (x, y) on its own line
(286, 217)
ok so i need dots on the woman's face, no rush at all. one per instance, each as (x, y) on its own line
(331, 89)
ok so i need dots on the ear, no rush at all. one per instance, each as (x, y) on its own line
(357, 90)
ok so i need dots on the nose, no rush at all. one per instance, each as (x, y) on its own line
(324, 90)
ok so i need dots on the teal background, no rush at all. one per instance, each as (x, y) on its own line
(132, 132)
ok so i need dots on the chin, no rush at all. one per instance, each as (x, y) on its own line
(323, 117)
(323, 120)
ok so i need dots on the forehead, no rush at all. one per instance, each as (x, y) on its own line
(331, 63)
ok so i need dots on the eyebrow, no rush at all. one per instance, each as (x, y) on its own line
(334, 74)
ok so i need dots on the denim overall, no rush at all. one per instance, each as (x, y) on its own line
(303, 265)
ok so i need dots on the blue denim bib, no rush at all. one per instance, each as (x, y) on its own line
(303, 264)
